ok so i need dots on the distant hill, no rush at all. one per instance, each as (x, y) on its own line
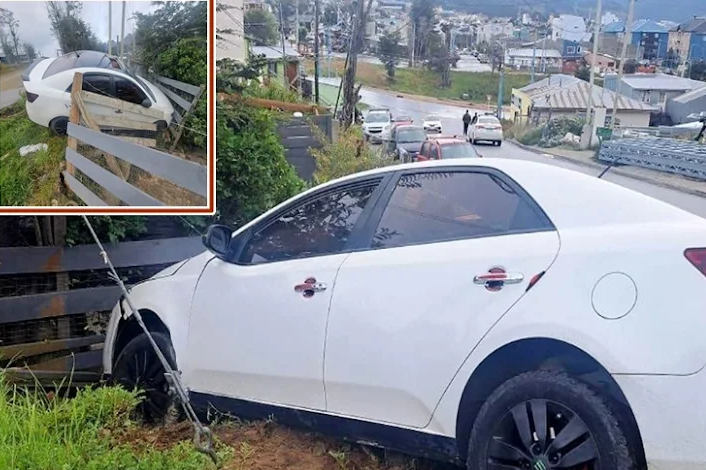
(652, 9)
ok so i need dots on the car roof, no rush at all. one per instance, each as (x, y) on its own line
(79, 59)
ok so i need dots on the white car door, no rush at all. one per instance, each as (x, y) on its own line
(100, 84)
(258, 320)
(453, 250)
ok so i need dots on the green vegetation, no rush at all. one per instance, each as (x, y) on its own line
(551, 133)
(91, 431)
(33, 179)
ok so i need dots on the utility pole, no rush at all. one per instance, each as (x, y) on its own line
(412, 42)
(110, 28)
(587, 138)
(350, 92)
(122, 33)
(534, 53)
(317, 64)
(501, 84)
(285, 79)
(623, 53)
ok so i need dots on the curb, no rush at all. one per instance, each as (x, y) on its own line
(617, 171)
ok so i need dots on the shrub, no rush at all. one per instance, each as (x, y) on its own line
(112, 229)
(347, 155)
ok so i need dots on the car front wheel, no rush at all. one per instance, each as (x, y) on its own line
(137, 367)
(546, 420)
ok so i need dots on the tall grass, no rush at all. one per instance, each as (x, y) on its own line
(84, 432)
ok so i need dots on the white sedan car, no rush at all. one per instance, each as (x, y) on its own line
(432, 123)
(500, 313)
(486, 128)
(48, 85)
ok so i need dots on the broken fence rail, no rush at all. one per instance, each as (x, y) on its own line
(52, 352)
(186, 105)
(670, 155)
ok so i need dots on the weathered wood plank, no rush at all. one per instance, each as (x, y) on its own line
(45, 259)
(58, 304)
(190, 89)
(78, 361)
(177, 136)
(17, 351)
(110, 159)
(142, 141)
(85, 194)
(74, 115)
(303, 142)
(188, 175)
(113, 184)
(181, 102)
(123, 123)
(89, 97)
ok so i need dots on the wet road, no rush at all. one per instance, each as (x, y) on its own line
(452, 124)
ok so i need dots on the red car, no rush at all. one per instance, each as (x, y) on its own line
(403, 121)
(446, 147)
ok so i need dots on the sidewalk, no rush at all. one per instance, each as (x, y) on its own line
(659, 178)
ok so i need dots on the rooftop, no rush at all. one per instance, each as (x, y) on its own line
(551, 53)
(274, 53)
(689, 96)
(660, 81)
(695, 25)
(556, 79)
(638, 26)
(575, 96)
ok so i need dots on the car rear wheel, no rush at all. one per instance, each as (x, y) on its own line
(544, 420)
(59, 125)
(137, 367)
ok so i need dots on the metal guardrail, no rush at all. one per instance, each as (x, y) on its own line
(661, 131)
(671, 155)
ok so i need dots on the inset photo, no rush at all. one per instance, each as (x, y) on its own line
(105, 107)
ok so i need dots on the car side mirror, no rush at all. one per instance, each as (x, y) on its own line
(217, 239)
(146, 103)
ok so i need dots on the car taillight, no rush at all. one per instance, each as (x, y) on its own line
(697, 257)
(31, 97)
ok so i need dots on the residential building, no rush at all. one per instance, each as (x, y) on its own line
(521, 99)
(255, 5)
(602, 63)
(652, 88)
(569, 27)
(572, 101)
(486, 32)
(276, 63)
(609, 18)
(549, 59)
(231, 45)
(688, 40)
(649, 38)
(689, 103)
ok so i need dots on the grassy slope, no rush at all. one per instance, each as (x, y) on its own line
(34, 179)
(424, 82)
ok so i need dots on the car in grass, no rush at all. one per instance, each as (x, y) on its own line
(405, 142)
(432, 124)
(446, 148)
(377, 124)
(493, 312)
(48, 83)
(487, 128)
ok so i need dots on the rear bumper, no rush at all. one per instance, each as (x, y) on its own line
(671, 414)
(488, 135)
(37, 113)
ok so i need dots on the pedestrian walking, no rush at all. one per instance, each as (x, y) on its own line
(466, 122)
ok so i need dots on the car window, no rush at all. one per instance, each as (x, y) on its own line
(128, 91)
(441, 206)
(460, 150)
(488, 120)
(97, 83)
(60, 64)
(412, 135)
(377, 117)
(435, 152)
(319, 227)
(425, 149)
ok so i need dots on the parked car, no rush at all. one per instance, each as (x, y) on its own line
(402, 121)
(462, 310)
(48, 83)
(405, 142)
(446, 147)
(486, 128)
(432, 123)
(377, 122)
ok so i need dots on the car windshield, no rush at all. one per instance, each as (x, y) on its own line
(377, 117)
(411, 135)
(460, 150)
(403, 119)
(432, 118)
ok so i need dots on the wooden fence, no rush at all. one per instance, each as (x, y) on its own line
(298, 138)
(55, 303)
(174, 90)
(114, 184)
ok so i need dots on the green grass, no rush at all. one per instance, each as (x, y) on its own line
(34, 179)
(85, 432)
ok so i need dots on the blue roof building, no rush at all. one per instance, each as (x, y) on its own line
(650, 36)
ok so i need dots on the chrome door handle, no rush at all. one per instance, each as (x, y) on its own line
(310, 287)
(496, 278)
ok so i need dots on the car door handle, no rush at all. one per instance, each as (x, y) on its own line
(310, 287)
(496, 278)
(118, 111)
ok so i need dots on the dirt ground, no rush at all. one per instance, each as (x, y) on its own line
(10, 79)
(265, 445)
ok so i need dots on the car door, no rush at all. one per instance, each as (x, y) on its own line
(258, 319)
(434, 151)
(424, 152)
(127, 90)
(450, 251)
(100, 84)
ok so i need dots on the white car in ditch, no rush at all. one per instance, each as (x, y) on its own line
(48, 83)
(495, 312)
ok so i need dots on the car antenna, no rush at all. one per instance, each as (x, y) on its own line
(203, 437)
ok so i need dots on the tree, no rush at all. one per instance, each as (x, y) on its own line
(30, 51)
(351, 93)
(67, 26)
(438, 57)
(423, 20)
(11, 36)
(583, 73)
(496, 55)
(261, 27)
(330, 17)
(388, 52)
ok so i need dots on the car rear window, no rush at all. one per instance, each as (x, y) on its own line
(488, 120)
(61, 64)
(460, 150)
(82, 59)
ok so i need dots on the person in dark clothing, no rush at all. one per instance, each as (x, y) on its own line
(475, 118)
(466, 122)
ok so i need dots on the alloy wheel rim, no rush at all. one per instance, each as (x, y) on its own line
(541, 434)
(144, 373)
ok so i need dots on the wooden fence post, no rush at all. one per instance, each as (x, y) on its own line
(74, 116)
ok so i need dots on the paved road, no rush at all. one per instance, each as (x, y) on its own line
(466, 64)
(7, 97)
(451, 122)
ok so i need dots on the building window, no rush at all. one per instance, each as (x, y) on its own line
(662, 97)
(571, 50)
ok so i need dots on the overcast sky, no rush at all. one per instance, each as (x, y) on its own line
(35, 26)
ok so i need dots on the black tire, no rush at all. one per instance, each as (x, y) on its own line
(59, 125)
(591, 433)
(138, 367)
(500, 142)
